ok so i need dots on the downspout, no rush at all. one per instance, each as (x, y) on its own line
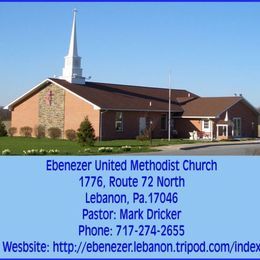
(258, 125)
(101, 125)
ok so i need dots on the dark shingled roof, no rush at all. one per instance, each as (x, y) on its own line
(109, 96)
(125, 97)
(209, 106)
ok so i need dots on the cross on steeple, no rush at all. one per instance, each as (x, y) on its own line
(72, 71)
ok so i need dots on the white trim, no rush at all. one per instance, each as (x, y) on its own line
(227, 108)
(26, 94)
(121, 121)
(9, 106)
(240, 130)
(198, 117)
(90, 103)
(208, 129)
(223, 125)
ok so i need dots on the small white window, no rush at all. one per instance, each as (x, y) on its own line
(205, 125)
(119, 122)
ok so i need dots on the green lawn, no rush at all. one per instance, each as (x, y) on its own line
(18, 144)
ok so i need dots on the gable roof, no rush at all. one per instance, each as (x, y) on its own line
(109, 96)
(125, 97)
(115, 96)
(209, 106)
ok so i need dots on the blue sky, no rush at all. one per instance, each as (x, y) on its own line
(213, 49)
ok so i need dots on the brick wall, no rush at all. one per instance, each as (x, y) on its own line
(26, 113)
(185, 125)
(60, 109)
(249, 119)
(76, 110)
(131, 125)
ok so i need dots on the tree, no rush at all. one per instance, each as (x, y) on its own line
(3, 131)
(258, 109)
(86, 133)
(5, 115)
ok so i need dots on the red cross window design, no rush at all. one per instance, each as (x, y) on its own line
(48, 98)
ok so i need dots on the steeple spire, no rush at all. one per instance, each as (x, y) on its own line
(72, 71)
(73, 50)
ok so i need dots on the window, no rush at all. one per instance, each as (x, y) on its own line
(119, 122)
(205, 125)
(237, 126)
(163, 122)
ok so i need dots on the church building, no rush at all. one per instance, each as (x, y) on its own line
(124, 111)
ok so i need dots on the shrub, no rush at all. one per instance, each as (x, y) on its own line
(12, 131)
(54, 132)
(39, 131)
(26, 131)
(71, 134)
(31, 152)
(3, 131)
(40, 152)
(6, 152)
(105, 149)
(54, 151)
(126, 148)
(86, 133)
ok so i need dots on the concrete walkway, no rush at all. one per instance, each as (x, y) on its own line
(201, 145)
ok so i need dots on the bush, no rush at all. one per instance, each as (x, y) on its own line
(6, 152)
(3, 131)
(86, 133)
(54, 151)
(54, 132)
(105, 149)
(26, 131)
(12, 131)
(71, 134)
(41, 152)
(126, 148)
(39, 131)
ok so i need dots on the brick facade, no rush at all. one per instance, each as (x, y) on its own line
(76, 110)
(26, 113)
(249, 122)
(131, 124)
(55, 106)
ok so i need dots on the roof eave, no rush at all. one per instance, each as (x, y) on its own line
(27, 94)
(227, 108)
(194, 117)
(142, 110)
(95, 107)
(37, 87)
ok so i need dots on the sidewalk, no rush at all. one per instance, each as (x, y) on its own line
(208, 144)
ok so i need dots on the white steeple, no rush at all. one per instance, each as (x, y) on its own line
(72, 71)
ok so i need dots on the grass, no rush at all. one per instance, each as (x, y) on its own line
(18, 144)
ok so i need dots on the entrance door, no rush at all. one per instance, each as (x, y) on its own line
(142, 125)
(222, 132)
(237, 126)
